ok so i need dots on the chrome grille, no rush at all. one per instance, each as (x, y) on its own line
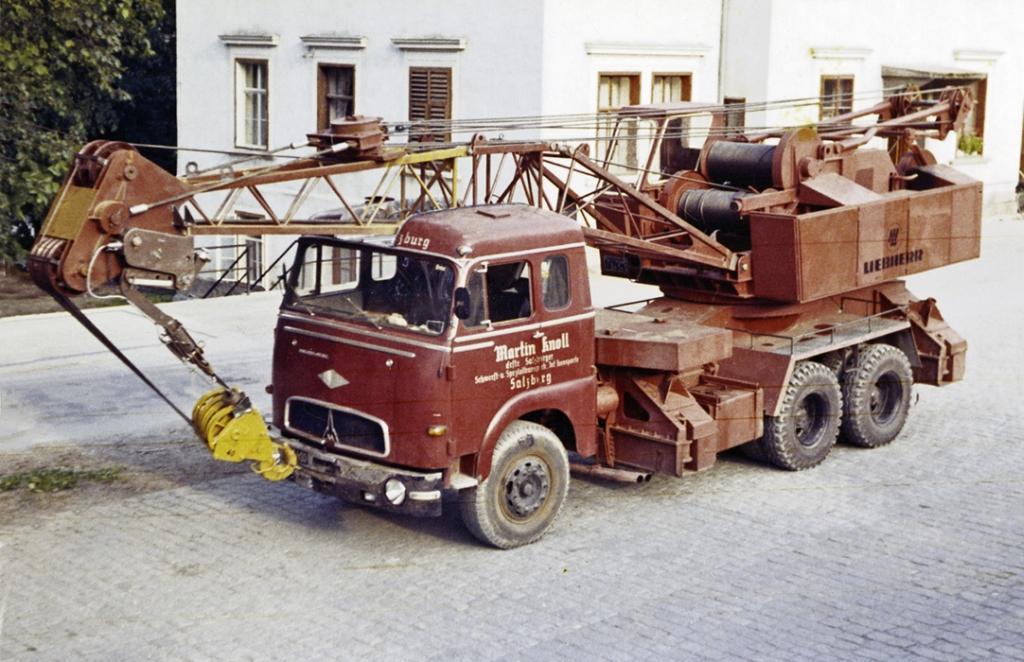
(335, 426)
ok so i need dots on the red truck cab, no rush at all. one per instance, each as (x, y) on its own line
(412, 365)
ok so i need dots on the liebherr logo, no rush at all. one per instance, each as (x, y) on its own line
(897, 259)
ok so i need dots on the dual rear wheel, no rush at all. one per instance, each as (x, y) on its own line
(865, 403)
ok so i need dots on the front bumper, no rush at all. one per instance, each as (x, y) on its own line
(361, 481)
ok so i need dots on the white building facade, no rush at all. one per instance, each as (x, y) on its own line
(258, 74)
(785, 49)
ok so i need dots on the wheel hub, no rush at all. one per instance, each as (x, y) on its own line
(800, 420)
(526, 487)
(877, 397)
(807, 420)
(885, 395)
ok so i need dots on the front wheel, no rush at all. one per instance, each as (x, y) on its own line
(516, 504)
(807, 425)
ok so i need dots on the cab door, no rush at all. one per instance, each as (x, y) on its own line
(496, 352)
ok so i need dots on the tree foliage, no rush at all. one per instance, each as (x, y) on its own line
(68, 72)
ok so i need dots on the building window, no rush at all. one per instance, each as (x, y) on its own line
(670, 87)
(430, 99)
(930, 85)
(613, 92)
(735, 115)
(253, 260)
(617, 90)
(836, 95)
(972, 137)
(251, 104)
(335, 91)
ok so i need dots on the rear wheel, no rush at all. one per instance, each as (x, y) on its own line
(516, 504)
(806, 427)
(836, 362)
(876, 396)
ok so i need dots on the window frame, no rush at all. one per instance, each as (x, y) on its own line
(842, 104)
(241, 91)
(487, 322)
(359, 256)
(735, 107)
(607, 126)
(255, 257)
(686, 84)
(634, 87)
(975, 124)
(543, 281)
(323, 98)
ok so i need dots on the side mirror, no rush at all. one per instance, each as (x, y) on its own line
(462, 303)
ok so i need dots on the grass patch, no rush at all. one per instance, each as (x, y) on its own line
(57, 479)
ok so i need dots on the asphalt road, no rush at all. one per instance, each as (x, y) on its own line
(908, 551)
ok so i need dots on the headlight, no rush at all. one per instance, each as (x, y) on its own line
(394, 491)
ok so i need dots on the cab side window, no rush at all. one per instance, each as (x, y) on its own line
(500, 293)
(554, 282)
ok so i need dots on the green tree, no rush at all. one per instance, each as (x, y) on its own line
(68, 71)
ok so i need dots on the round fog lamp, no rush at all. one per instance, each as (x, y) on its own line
(394, 491)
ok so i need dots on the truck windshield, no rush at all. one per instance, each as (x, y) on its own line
(374, 286)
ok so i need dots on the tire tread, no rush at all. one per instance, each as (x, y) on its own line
(474, 502)
(857, 394)
(774, 444)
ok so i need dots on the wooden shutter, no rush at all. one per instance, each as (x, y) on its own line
(430, 98)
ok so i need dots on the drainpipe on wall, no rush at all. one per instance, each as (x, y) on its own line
(723, 8)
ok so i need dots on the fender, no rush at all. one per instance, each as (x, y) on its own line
(578, 401)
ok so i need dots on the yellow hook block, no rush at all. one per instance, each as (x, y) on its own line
(235, 437)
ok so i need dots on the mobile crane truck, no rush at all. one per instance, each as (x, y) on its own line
(463, 354)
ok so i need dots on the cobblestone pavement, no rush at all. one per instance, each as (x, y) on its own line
(908, 551)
